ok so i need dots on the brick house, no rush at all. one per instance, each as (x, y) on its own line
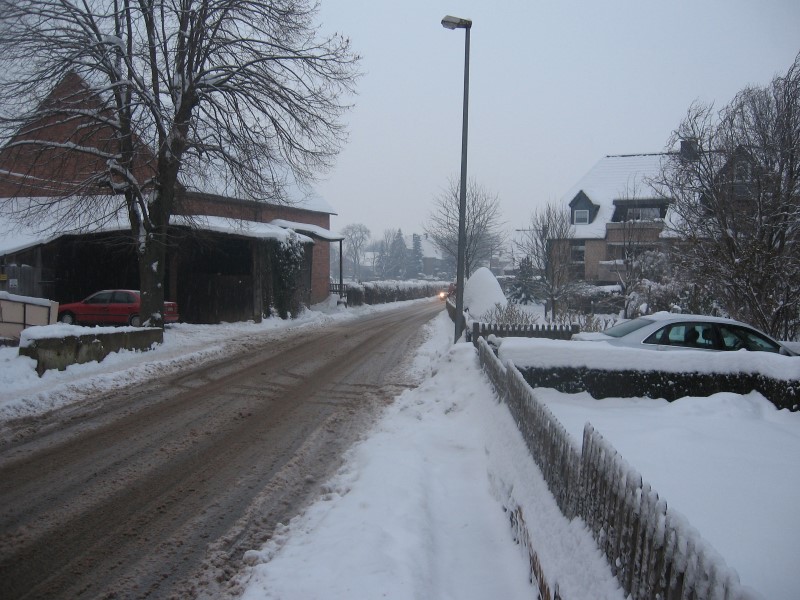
(218, 261)
(613, 207)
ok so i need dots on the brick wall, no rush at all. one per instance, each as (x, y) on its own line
(41, 171)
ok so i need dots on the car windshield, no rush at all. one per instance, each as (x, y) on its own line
(627, 327)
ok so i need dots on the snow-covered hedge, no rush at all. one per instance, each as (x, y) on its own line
(382, 292)
(605, 371)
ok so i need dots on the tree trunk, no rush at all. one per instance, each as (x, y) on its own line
(152, 260)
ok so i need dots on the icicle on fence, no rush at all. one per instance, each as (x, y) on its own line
(652, 552)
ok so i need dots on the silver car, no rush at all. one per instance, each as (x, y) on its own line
(671, 331)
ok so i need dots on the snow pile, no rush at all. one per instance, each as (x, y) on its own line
(482, 292)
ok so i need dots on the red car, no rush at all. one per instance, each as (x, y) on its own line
(111, 307)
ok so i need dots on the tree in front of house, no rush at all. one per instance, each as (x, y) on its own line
(636, 251)
(241, 95)
(546, 244)
(356, 237)
(483, 228)
(736, 199)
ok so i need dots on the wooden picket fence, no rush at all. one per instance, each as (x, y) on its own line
(536, 330)
(654, 553)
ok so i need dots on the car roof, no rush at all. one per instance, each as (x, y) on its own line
(669, 316)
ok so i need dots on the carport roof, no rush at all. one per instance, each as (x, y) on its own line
(15, 238)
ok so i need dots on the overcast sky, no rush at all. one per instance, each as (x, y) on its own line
(554, 87)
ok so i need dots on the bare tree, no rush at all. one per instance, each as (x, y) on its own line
(240, 94)
(737, 202)
(636, 241)
(384, 247)
(483, 234)
(356, 236)
(546, 243)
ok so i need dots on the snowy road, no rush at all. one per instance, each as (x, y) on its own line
(154, 490)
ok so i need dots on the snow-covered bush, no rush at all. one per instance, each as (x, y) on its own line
(510, 314)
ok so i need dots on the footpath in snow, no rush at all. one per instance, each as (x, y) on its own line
(417, 509)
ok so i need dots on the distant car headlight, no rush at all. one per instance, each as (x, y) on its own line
(442, 295)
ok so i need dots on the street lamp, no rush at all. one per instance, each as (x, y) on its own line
(457, 23)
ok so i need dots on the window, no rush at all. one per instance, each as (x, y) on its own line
(577, 252)
(643, 214)
(99, 298)
(742, 172)
(121, 297)
(581, 217)
(735, 337)
(627, 327)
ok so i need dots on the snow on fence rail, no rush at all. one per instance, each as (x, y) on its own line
(654, 553)
(553, 332)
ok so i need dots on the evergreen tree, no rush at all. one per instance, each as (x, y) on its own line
(414, 265)
(396, 260)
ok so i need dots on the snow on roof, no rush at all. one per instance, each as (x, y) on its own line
(316, 230)
(53, 224)
(614, 177)
(250, 229)
(15, 238)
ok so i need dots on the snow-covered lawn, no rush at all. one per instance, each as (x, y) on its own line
(416, 510)
(727, 462)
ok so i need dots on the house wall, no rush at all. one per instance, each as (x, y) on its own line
(595, 252)
(32, 170)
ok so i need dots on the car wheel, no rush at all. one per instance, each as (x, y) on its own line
(67, 318)
(135, 321)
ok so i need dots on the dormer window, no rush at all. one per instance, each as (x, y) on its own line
(742, 172)
(581, 217)
(583, 210)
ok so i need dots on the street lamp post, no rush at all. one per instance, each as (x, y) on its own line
(457, 23)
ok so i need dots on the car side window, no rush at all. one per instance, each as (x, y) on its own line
(735, 337)
(688, 335)
(659, 337)
(99, 298)
(123, 298)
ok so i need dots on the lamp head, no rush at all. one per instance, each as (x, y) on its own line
(456, 23)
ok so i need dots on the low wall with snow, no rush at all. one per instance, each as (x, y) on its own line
(58, 346)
